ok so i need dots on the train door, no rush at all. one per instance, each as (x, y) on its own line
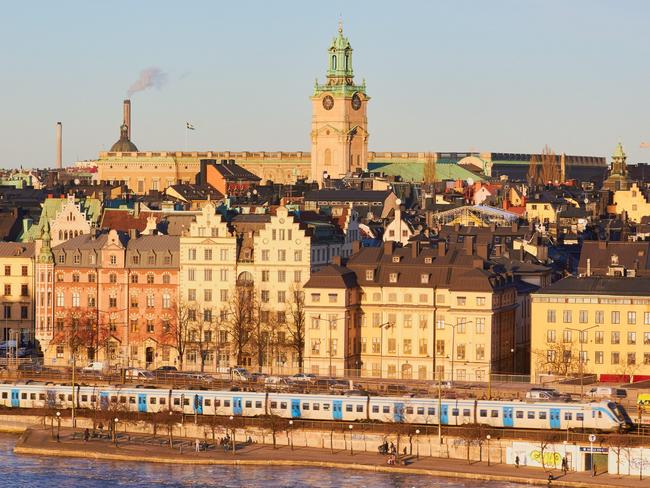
(103, 400)
(507, 417)
(142, 403)
(236, 406)
(295, 409)
(198, 404)
(444, 414)
(337, 410)
(15, 398)
(398, 414)
(555, 418)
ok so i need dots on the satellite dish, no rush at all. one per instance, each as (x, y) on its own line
(470, 181)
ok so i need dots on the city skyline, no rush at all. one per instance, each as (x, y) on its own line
(482, 92)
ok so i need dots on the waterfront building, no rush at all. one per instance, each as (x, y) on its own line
(633, 203)
(405, 312)
(596, 325)
(17, 268)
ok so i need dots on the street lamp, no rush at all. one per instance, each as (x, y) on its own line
(58, 426)
(565, 443)
(453, 343)
(488, 437)
(351, 448)
(385, 325)
(417, 444)
(232, 426)
(116, 420)
(582, 331)
(329, 346)
(291, 432)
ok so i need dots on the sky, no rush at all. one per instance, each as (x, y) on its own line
(456, 75)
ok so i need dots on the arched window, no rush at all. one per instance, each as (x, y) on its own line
(245, 278)
(112, 278)
(347, 61)
(333, 61)
(328, 157)
(60, 235)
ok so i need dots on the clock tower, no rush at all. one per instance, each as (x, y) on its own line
(339, 127)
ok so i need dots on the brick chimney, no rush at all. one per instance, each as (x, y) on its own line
(127, 117)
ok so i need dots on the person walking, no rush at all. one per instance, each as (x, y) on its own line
(86, 435)
(593, 469)
(517, 462)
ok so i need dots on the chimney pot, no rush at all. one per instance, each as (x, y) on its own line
(59, 145)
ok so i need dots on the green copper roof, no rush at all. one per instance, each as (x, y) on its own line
(92, 207)
(618, 152)
(413, 170)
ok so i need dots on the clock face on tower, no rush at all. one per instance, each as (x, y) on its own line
(328, 102)
(356, 101)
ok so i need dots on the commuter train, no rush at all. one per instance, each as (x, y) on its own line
(594, 416)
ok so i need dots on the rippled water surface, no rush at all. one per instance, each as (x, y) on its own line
(32, 471)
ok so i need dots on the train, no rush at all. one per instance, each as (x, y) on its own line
(603, 416)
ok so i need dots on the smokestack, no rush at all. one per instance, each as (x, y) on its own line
(59, 145)
(127, 117)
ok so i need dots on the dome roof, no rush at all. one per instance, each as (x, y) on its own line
(124, 144)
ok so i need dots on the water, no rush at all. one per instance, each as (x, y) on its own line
(35, 471)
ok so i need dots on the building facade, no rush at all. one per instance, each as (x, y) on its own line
(17, 268)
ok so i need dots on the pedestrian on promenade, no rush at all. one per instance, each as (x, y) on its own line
(550, 479)
(86, 435)
(517, 462)
(593, 469)
(197, 445)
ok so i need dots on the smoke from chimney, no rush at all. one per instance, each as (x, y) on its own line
(150, 77)
(127, 117)
(59, 145)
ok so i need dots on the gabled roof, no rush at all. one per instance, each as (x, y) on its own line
(17, 249)
(327, 195)
(332, 276)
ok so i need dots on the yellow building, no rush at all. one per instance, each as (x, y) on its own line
(17, 268)
(596, 325)
(633, 202)
(405, 313)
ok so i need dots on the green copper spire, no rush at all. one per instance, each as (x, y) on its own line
(618, 152)
(340, 58)
(45, 255)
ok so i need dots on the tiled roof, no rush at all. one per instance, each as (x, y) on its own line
(124, 219)
(347, 195)
(332, 276)
(154, 243)
(631, 255)
(599, 285)
(17, 249)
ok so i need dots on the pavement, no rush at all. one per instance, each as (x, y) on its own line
(145, 448)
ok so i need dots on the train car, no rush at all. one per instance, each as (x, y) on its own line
(319, 407)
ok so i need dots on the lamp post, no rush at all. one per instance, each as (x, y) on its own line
(488, 437)
(453, 343)
(417, 444)
(385, 325)
(329, 346)
(116, 420)
(58, 426)
(291, 433)
(351, 448)
(565, 443)
(580, 332)
(232, 427)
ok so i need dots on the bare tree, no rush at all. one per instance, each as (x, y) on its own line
(274, 424)
(550, 172)
(429, 171)
(177, 330)
(533, 171)
(557, 358)
(259, 337)
(239, 321)
(201, 336)
(618, 443)
(471, 434)
(546, 440)
(296, 322)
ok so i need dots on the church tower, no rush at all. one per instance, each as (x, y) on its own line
(618, 178)
(339, 127)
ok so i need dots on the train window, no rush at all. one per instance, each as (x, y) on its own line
(32, 396)
(542, 415)
(84, 398)
(600, 414)
(177, 401)
(316, 406)
(41, 396)
(274, 404)
(431, 411)
(249, 403)
(568, 416)
(454, 412)
(61, 396)
(531, 415)
(359, 408)
(375, 409)
(283, 405)
(348, 408)
(326, 406)
(69, 398)
(208, 402)
(113, 399)
(386, 409)
(580, 417)
(305, 406)
(131, 399)
(483, 413)
(519, 414)
(186, 401)
(226, 403)
(162, 400)
(420, 410)
(4, 394)
(467, 412)
(495, 414)
(93, 398)
(409, 410)
(23, 396)
(258, 404)
(217, 403)
(152, 400)
(122, 399)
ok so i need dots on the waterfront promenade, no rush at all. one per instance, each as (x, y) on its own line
(40, 441)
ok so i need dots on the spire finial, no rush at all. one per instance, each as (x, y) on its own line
(340, 24)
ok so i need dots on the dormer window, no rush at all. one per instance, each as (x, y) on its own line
(396, 259)
(424, 278)
(392, 277)
(76, 259)
(428, 260)
(370, 274)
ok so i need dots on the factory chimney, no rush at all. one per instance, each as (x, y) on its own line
(127, 117)
(59, 145)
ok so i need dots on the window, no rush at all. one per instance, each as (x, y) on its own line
(7, 290)
(616, 337)
(265, 296)
(112, 278)
(282, 296)
(422, 349)
(134, 278)
(166, 279)
(75, 277)
(332, 297)
(151, 302)
(370, 274)
(297, 256)
(150, 326)
(166, 300)
(461, 301)
(113, 259)
(616, 317)
(191, 295)
(460, 351)
(480, 301)
(566, 316)
(550, 335)
(150, 278)
(550, 355)
(297, 276)
(112, 302)
(480, 352)
(407, 347)
(550, 316)
(191, 274)
(282, 255)
(60, 301)
(631, 318)
(631, 338)
(207, 254)
(599, 337)
(646, 338)
(480, 325)
(631, 358)
(424, 278)
(23, 270)
(134, 301)
(266, 254)
(600, 317)
(282, 276)
(616, 358)
(646, 318)
(7, 270)
(392, 277)
(24, 311)
(567, 336)
(408, 321)
(207, 295)
(266, 275)
(583, 316)
(599, 357)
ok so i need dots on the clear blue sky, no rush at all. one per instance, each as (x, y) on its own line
(443, 76)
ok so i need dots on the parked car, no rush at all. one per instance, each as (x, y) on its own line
(276, 383)
(302, 378)
(166, 369)
(607, 392)
(138, 374)
(95, 367)
(199, 377)
(240, 374)
(258, 377)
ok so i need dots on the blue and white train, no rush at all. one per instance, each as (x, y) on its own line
(594, 416)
